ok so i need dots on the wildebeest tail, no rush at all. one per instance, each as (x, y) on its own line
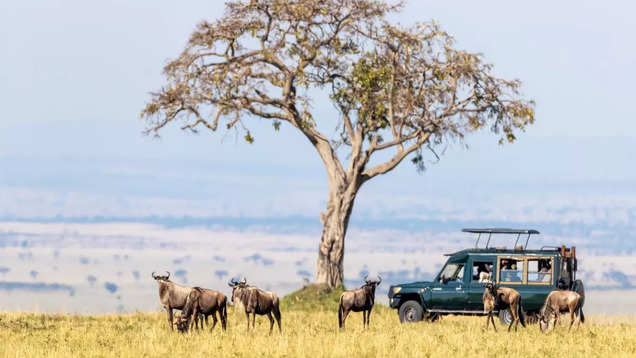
(579, 308)
(340, 312)
(522, 315)
(276, 306)
(223, 313)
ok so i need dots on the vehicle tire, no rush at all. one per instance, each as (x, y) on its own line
(580, 289)
(410, 312)
(505, 317)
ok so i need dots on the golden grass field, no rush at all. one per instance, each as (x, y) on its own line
(312, 334)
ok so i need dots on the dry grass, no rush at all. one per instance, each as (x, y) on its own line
(304, 334)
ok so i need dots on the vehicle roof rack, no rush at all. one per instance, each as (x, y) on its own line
(491, 231)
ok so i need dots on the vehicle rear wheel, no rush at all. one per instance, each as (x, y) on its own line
(505, 317)
(410, 312)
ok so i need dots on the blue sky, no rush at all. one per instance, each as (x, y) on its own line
(74, 76)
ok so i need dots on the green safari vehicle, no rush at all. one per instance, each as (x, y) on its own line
(458, 287)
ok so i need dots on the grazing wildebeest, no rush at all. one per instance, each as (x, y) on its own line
(181, 323)
(171, 295)
(256, 301)
(501, 298)
(202, 301)
(358, 300)
(561, 301)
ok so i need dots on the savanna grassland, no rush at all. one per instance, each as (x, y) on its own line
(312, 334)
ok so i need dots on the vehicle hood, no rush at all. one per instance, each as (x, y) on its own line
(418, 284)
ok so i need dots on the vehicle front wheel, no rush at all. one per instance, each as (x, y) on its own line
(410, 312)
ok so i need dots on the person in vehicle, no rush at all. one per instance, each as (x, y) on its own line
(484, 277)
(509, 271)
(484, 272)
(544, 272)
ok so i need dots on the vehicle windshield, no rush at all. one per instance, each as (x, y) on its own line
(452, 272)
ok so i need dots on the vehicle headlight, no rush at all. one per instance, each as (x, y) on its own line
(396, 289)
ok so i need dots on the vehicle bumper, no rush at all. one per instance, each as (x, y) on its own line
(394, 302)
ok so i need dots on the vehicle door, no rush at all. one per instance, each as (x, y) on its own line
(448, 292)
(482, 270)
(512, 271)
(539, 280)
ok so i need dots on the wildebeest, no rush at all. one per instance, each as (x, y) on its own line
(358, 300)
(501, 298)
(206, 302)
(561, 301)
(171, 295)
(256, 301)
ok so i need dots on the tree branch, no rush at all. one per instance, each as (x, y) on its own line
(388, 166)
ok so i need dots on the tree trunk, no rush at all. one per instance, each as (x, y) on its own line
(329, 269)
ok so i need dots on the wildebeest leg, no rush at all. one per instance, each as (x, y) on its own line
(214, 320)
(571, 318)
(271, 322)
(369, 316)
(493, 321)
(556, 318)
(194, 315)
(515, 317)
(169, 311)
(247, 315)
(254, 320)
(487, 320)
(344, 317)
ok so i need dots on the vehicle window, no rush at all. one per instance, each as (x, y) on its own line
(510, 270)
(482, 271)
(540, 270)
(452, 272)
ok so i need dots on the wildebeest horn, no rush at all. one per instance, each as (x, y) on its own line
(243, 281)
(231, 282)
(379, 278)
(153, 275)
(167, 277)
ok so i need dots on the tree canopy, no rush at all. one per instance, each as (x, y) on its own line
(397, 89)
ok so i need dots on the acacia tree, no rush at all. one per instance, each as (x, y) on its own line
(397, 90)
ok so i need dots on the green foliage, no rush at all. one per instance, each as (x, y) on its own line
(313, 298)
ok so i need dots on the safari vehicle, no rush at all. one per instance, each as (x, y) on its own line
(459, 286)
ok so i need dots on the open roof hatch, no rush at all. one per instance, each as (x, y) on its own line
(491, 231)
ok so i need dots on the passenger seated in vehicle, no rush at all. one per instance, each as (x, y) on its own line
(544, 273)
(509, 271)
(483, 274)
